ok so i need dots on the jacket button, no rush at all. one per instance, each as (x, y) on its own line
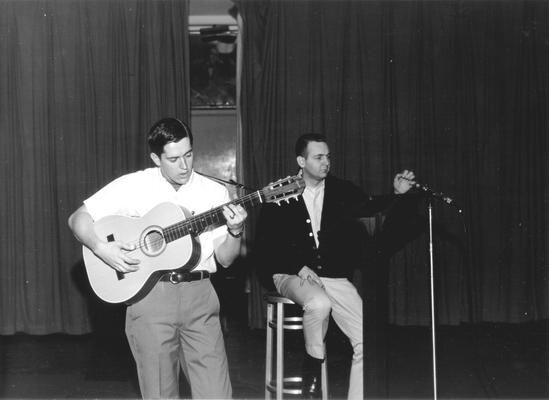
(310, 233)
(308, 220)
(319, 267)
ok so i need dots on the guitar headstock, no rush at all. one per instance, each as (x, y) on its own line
(283, 190)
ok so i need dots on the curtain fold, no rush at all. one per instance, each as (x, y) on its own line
(80, 83)
(456, 91)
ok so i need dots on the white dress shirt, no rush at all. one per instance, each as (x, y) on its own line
(314, 199)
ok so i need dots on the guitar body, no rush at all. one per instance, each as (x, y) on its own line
(157, 256)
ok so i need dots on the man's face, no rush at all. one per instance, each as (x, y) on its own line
(316, 161)
(176, 162)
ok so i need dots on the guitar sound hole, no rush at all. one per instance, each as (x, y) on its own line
(153, 242)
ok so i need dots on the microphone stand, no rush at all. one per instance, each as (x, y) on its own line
(448, 200)
(231, 182)
(432, 282)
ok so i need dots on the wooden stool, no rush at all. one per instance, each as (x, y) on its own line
(278, 323)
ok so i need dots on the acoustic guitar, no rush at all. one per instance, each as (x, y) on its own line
(166, 239)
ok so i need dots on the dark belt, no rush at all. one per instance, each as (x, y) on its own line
(178, 277)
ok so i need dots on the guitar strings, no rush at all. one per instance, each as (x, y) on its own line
(180, 227)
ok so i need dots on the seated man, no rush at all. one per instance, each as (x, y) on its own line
(310, 248)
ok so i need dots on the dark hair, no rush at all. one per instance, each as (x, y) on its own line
(167, 130)
(303, 141)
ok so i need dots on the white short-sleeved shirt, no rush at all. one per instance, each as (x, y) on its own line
(135, 194)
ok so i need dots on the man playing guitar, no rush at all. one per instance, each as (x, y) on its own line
(175, 324)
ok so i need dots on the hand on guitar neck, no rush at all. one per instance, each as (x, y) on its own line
(235, 215)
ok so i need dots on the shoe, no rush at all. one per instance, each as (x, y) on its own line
(311, 388)
(310, 382)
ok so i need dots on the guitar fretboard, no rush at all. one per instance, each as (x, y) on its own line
(197, 223)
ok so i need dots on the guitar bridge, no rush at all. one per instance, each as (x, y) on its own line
(119, 275)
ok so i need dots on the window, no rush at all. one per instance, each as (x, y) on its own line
(213, 66)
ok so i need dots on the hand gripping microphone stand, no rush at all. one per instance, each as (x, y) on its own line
(438, 195)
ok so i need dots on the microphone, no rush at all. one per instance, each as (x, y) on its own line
(427, 189)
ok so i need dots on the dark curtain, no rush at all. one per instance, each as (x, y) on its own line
(80, 83)
(456, 91)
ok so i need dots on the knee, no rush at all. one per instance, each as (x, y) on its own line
(318, 305)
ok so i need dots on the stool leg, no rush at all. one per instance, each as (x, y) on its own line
(269, 352)
(324, 378)
(279, 350)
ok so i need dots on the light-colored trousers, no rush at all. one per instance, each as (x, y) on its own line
(338, 297)
(178, 326)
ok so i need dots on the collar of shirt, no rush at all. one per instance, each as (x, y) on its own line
(184, 187)
(189, 184)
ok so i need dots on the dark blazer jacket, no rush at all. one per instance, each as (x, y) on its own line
(285, 242)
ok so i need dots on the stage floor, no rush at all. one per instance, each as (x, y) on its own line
(473, 362)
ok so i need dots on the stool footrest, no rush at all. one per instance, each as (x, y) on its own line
(286, 326)
(287, 388)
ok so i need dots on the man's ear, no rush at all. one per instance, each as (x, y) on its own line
(300, 161)
(156, 159)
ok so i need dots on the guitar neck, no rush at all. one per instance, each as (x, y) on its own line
(197, 223)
